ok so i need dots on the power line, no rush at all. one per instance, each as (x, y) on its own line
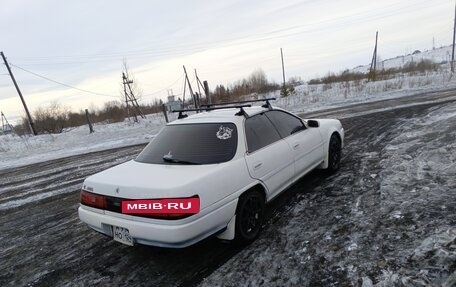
(164, 89)
(32, 125)
(63, 84)
(87, 91)
(175, 50)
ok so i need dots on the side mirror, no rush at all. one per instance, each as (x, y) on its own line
(313, 124)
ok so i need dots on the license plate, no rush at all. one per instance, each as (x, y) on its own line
(122, 235)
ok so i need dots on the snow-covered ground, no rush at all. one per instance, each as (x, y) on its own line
(309, 98)
(386, 219)
(439, 55)
(17, 151)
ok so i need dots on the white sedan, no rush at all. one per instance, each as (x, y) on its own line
(210, 173)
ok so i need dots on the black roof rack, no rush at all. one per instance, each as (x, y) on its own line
(236, 105)
(266, 104)
(210, 108)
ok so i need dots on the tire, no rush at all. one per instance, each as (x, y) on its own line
(249, 216)
(334, 154)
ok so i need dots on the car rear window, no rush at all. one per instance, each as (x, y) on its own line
(207, 143)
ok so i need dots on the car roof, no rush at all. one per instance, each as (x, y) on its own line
(221, 115)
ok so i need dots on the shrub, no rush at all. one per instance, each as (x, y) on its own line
(256, 82)
(383, 74)
(51, 119)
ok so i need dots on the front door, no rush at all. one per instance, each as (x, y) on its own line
(269, 158)
(306, 143)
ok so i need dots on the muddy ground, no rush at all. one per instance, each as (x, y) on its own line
(387, 218)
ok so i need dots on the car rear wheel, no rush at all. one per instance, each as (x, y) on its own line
(249, 216)
(334, 153)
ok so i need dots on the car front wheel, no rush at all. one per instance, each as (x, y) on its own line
(249, 216)
(334, 154)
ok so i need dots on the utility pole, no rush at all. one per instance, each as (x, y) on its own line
(6, 126)
(199, 95)
(454, 36)
(206, 91)
(373, 66)
(89, 122)
(130, 98)
(126, 95)
(283, 67)
(284, 91)
(165, 113)
(134, 101)
(198, 82)
(190, 87)
(183, 94)
(375, 53)
(205, 87)
(31, 124)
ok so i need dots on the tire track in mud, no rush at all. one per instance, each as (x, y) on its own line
(57, 175)
(44, 244)
(39, 171)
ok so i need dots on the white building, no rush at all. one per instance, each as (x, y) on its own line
(172, 104)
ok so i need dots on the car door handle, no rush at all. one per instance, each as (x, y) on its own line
(257, 165)
(296, 146)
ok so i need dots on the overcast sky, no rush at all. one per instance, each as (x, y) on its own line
(83, 43)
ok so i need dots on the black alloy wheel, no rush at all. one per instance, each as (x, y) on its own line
(335, 153)
(249, 216)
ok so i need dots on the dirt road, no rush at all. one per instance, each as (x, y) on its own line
(351, 228)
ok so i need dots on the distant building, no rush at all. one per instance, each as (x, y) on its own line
(173, 104)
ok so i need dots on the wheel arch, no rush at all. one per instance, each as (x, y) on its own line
(229, 232)
(258, 186)
(329, 134)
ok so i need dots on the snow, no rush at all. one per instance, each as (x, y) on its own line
(38, 195)
(18, 151)
(310, 98)
(393, 229)
(439, 55)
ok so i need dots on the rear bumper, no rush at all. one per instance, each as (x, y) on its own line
(162, 233)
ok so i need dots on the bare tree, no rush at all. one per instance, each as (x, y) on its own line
(51, 119)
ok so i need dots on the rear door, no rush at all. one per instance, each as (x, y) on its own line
(306, 143)
(269, 158)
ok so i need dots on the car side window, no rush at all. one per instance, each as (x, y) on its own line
(285, 123)
(260, 132)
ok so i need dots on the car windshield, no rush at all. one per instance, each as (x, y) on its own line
(207, 143)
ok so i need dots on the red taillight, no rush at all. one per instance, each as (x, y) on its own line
(93, 200)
